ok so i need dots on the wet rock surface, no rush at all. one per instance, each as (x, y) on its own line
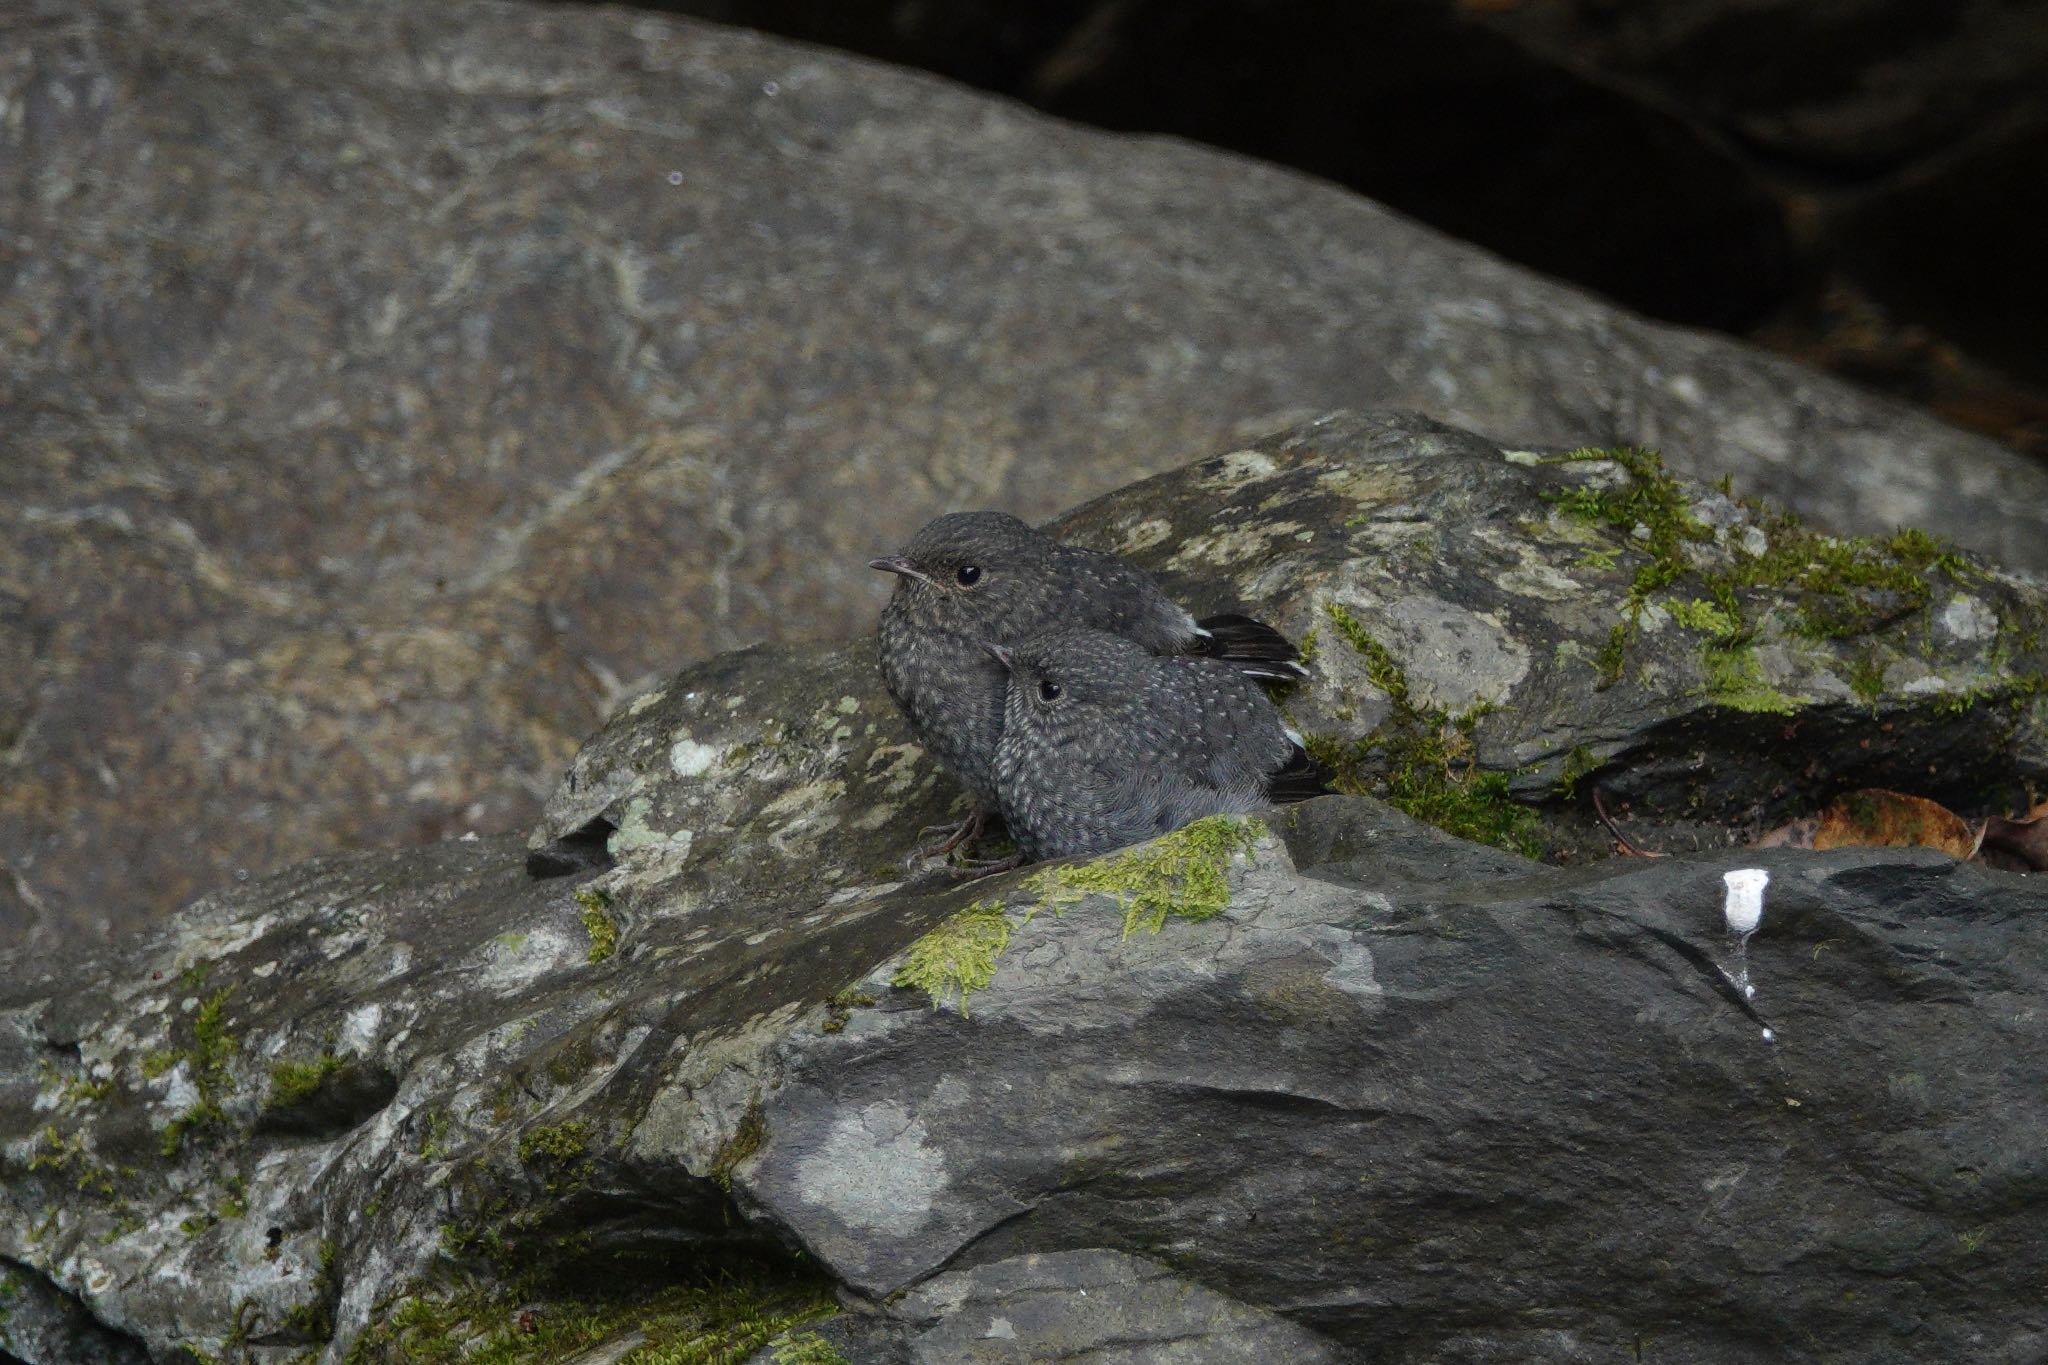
(386, 391)
(1337, 1086)
(1859, 178)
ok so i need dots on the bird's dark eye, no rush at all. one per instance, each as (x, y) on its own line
(1049, 690)
(969, 575)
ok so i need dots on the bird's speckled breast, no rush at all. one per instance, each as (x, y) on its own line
(951, 691)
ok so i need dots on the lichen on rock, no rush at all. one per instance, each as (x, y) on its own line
(380, 1106)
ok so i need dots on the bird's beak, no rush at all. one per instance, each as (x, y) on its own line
(1000, 653)
(898, 565)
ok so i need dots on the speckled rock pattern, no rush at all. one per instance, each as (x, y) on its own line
(1402, 1095)
(385, 389)
(1495, 1117)
(1094, 1305)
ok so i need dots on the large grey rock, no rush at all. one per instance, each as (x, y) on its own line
(1368, 1090)
(1528, 1119)
(385, 389)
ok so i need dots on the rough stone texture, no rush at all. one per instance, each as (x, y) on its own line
(1097, 1306)
(385, 389)
(1520, 1119)
(1403, 1097)
(1856, 183)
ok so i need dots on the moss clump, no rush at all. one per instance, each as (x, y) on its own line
(1578, 764)
(1735, 680)
(1179, 875)
(957, 958)
(746, 1140)
(212, 1049)
(1652, 511)
(1707, 616)
(293, 1083)
(1182, 875)
(596, 909)
(1848, 586)
(707, 1321)
(839, 1009)
(1420, 759)
(558, 1152)
(314, 1319)
(80, 1089)
(1838, 587)
(435, 1129)
(1380, 668)
(67, 1159)
(806, 1348)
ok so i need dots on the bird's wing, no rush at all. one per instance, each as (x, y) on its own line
(1115, 595)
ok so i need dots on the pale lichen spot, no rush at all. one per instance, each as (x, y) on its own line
(1522, 457)
(689, 758)
(1146, 534)
(1454, 657)
(874, 1171)
(359, 1029)
(1232, 546)
(538, 951)
(645, 700)
(874, 818)
(848, 705)
(1685, 389)
(635, 836)
(898, 765)
(805, 813)
(1968, 619)
(1241, 467)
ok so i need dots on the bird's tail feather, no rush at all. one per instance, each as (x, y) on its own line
(1256, 648)
(1299, 779)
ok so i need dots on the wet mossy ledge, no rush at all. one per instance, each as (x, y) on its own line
(1183, 875)
(1759, 603)
(402, 1104)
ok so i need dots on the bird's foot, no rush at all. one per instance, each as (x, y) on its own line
(973, 869)
(966, 832)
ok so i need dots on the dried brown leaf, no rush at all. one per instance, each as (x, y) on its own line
(1878, 818)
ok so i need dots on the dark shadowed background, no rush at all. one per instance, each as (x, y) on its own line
(387, 390)
(1859, 183)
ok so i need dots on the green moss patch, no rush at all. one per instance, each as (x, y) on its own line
(66, 1158)
(1182, 875)
(1420, 758)
(293, 1083)
(1832, 588)
(707, 1321)
(805, 1348)
(746, 1140)
(559, 1154)
(957, 958)
(596, 909)
(211, 1051)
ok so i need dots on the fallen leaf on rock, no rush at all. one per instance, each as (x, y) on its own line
(1875, 817)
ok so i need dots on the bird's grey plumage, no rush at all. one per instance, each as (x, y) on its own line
(970, 578)
(1105, 743)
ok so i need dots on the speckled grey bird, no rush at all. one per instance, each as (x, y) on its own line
(974, 578)
(1105, 744)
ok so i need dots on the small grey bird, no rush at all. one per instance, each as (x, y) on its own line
(974, 578)
(1105, 744)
